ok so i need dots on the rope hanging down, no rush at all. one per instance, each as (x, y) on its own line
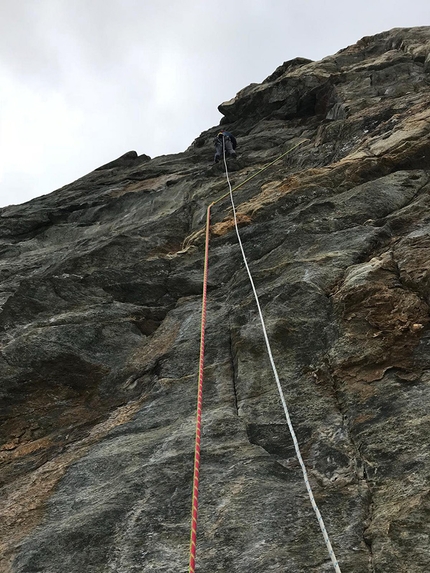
(195, 494)
(195, 502)
(194, 512)
(281, 392)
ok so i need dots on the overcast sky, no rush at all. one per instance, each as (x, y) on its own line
(84, 81)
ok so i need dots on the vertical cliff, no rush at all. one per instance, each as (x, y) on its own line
(100, 288)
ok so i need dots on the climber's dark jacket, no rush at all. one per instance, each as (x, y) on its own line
(230, 144)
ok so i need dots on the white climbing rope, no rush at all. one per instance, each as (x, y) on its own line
(278, 383)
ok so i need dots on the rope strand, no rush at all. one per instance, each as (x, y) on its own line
(195, 495)
(278, 383)
(195, 500)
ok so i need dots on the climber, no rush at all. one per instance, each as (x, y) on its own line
(225, 140)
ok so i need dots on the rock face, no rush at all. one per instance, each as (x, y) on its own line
(101, 295)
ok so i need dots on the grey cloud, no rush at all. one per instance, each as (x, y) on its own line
(149, 75)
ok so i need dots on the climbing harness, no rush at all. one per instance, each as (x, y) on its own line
(275, 373)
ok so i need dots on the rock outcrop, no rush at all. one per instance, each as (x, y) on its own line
(100, 293)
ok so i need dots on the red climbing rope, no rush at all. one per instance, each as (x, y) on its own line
(195, 502)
